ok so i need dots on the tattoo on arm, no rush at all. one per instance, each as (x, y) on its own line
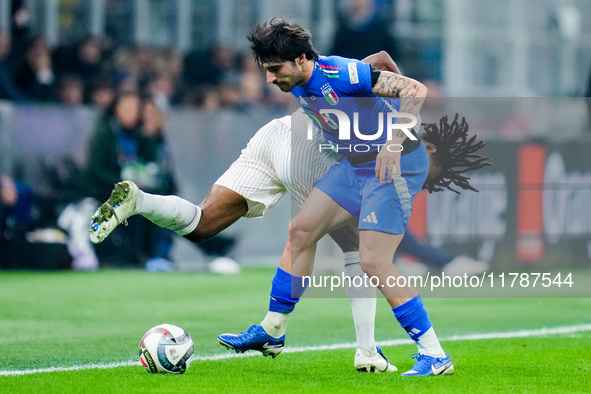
(393, 85)
(410, 92)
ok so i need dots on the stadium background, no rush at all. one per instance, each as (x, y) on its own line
(474, 54)
(79, 331)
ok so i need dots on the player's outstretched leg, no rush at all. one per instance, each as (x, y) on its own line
(255, 338)
(116, 210)
(171, 212)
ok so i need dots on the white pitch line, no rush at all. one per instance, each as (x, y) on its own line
(394, 342)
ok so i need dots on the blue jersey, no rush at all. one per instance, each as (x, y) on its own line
(343, 84)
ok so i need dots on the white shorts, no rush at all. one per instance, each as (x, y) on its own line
(278, 160)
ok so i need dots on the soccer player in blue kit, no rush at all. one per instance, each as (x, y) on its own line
(375, 184)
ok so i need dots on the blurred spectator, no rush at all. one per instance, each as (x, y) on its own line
(170, 63)
(230, 96)
(70, 90)
(16, 203)
(34, 75)
(84, 59)
(203, 96)
(144, 63)
(361, 29)
(173, 63)
(152, 128)
(8, 88)
(116, 151)
(126, 81)
(252, 84)
(124, 70)
(162, 89)
(163, 182)
(101, 94)
(20, 26)
(212, 67)
(114, 145)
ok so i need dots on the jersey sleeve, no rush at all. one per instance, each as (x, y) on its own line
(358, 77)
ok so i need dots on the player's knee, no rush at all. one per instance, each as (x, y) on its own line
(301, 234)
(198, 236)
(371, 262)
(368, 266)
(202, 233)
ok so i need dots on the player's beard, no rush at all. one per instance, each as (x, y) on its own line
(294, 80)
(284, 86)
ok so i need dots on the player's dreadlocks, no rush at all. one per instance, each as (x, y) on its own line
(455, 154)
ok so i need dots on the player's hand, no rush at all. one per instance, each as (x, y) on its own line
(387, 162)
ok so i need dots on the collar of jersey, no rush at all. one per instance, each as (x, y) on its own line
(314, 72)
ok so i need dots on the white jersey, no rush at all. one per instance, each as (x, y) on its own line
(278, 159)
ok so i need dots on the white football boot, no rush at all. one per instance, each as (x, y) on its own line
(120, 206)
(375, 361)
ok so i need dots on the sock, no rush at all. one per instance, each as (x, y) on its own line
(413, 317)
(275, 323)
(286, 290)
(429, 344)
(171, 212)
(363, 304)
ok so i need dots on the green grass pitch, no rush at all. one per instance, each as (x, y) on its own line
(72, 319)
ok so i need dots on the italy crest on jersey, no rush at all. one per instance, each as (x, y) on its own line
(329, 94)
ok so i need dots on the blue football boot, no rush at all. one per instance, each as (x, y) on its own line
(255, 338)
(430, 366)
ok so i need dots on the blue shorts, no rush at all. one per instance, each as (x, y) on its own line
(383, 207)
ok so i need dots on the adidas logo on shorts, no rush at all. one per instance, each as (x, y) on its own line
(371, 218)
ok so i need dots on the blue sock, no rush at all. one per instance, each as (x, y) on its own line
(413, 317)
(286, 290)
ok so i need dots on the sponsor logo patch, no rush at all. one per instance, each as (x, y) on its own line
(353, 76)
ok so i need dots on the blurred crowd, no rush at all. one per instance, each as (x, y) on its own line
(133, 87)
(93, 70)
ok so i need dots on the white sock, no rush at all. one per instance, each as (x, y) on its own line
(275, 323)
(429, 344)
(171, 212)
(363, 304)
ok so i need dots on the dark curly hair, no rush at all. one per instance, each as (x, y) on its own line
(280, 40)
(456, 154)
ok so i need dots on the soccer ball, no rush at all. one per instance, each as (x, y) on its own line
(166, 348)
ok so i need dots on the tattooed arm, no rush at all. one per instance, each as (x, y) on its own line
(412, 95)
